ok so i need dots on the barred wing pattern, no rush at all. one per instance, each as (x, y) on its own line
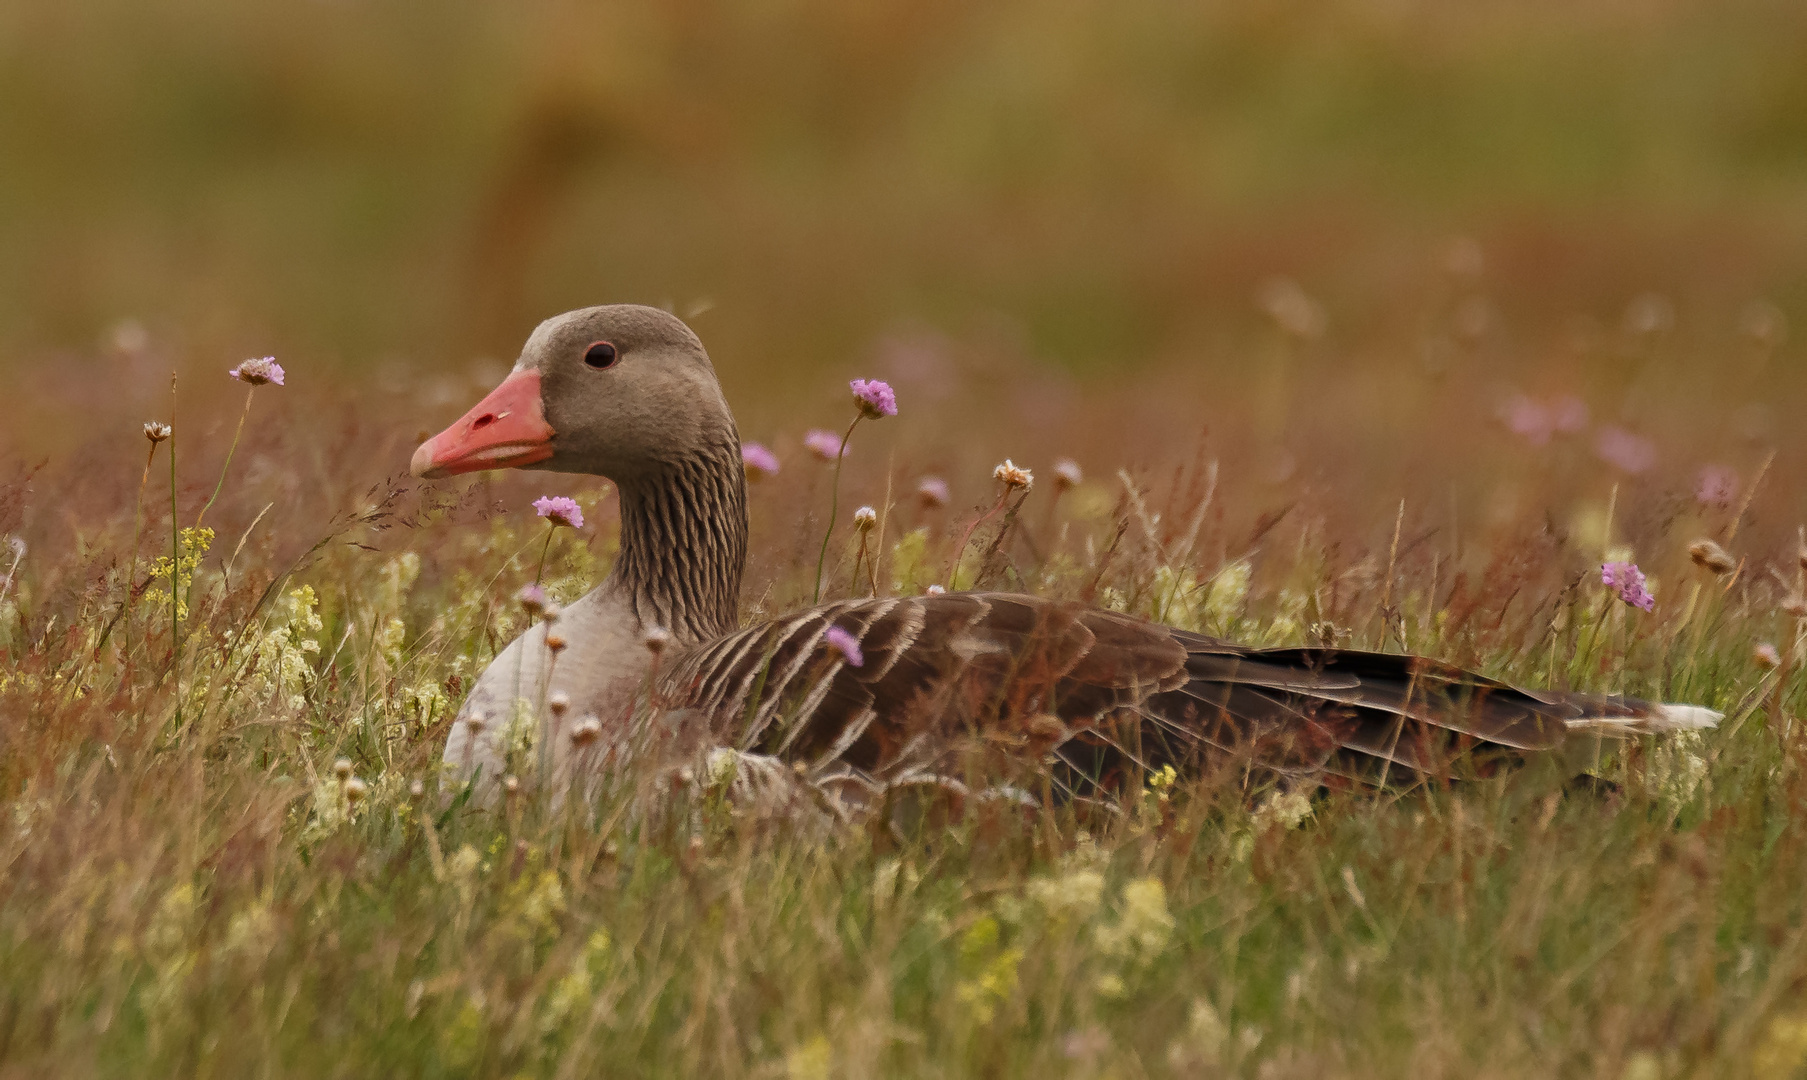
(963, 686)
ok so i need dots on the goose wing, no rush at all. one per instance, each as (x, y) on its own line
(949, 686)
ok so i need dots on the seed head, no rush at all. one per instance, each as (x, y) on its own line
(1710, 556)
(655, 639)
(932, 492)
(342, 768)
(1767, 657)
(865, 519)
(552, 612)
(586, 731)
(156, 432)
(558, 703)
(1067, 474)
(874, 398)
(1012, 475)
(356, 789)
(258, 372)
(560, 510)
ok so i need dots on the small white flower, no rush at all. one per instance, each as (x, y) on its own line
(156, 432)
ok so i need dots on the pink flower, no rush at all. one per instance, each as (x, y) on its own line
(874, 397)
(1716, 485)
(824, 444)
(1568, 414)
(1624, 450)
(846, 644)
(1628, 581)
(760, 462)
(560, 510)
(258, 372)
(533, 598)
(1528, 420)
(932, 492)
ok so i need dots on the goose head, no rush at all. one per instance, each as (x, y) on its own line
(620, 391)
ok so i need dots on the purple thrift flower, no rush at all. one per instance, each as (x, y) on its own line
(1528, 420)
(1716, 486)
(824, 444)
(533, 598)
(1624, 450)
(560, 510)
(1568, 414)
(759, 461)
(874, 397)
(846, 644)
(258, 372)
(932, 492)
(1628, 581)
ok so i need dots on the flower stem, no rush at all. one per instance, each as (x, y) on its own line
(953, 569)
(541, 569)
(834, 505)
(228, 462)
(175, 570)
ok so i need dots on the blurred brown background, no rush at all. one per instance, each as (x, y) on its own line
(1335, 238)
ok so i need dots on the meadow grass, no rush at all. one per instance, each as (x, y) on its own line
(194, 886)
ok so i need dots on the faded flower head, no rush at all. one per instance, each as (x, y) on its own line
(655, 639)
(560, 510)
(156, 432)
(1628, 581)
(874, 397)
(1715, 486)
(356, 789)
(932, 492)
(1710, 556)
(759, 461)
(586, 731)
(1767, 657)
(846, 644)
(1067, 474)
(824, 444)
(1012, 475)
(342, 768)
(865, 519)
(1624, 450)
(257, 372)
(533, 598)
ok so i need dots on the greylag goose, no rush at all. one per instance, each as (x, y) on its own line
(943, 689)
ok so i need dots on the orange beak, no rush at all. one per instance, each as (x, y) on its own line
(505, 430)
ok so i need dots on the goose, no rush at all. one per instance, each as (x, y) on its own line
(966, 692)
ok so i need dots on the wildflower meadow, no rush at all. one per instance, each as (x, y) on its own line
(1468, 331)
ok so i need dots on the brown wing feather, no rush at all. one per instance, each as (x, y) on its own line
(1100, 695)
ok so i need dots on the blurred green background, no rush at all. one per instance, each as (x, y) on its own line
(1099, 183)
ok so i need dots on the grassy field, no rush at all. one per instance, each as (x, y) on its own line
(191, 889)
(1378, 324)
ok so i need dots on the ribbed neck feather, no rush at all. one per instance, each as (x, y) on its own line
(684, 543)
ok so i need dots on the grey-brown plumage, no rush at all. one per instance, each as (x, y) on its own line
(976, 692)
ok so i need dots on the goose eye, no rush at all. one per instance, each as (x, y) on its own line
(600, 355)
